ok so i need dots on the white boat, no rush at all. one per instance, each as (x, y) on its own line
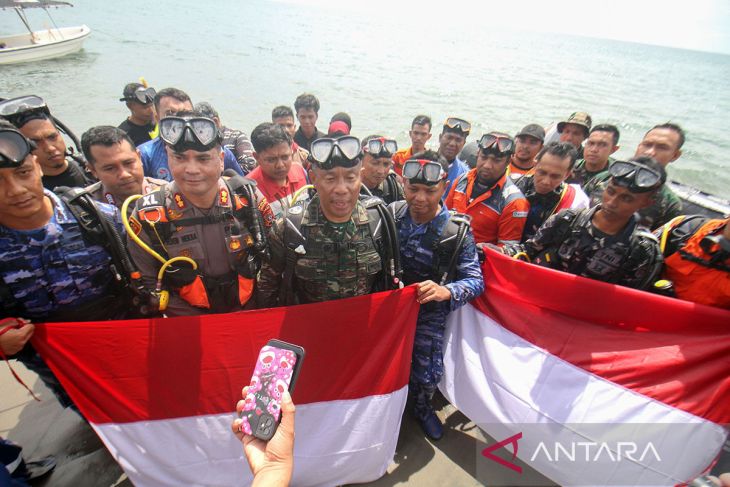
(41, 44)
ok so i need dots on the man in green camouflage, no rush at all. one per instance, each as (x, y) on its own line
(325, 248)
(663, 143)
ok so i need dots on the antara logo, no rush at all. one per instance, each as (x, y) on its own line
(512, 440)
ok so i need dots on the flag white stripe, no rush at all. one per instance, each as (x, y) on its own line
(501, 382)
(337, 442)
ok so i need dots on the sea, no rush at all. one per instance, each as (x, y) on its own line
(381, 67)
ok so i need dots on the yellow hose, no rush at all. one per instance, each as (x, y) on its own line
(165, 262)
(519, 255)
(296, 194)
(667, 229)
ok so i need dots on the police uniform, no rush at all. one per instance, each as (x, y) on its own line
(417, 248)
(666, 206)
(98, 193)
(389, 190)
(543, 205)
(214, 238)
(569, 242)
(333, 260)
(53, 274)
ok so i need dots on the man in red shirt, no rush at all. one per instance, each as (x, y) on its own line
(497, 207)
(276, 176)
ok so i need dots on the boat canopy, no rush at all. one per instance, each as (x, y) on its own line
(4, 4)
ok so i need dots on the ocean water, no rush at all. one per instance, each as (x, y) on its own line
(247, 57)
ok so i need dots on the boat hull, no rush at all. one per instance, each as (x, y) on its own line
(47, 44)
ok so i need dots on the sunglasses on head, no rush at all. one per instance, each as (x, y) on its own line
(14, 148)
(496, 143)
(196, 133)
(458, 124)
(417, 170)
(637, 177)
(343, 151)
(141, 95)
(381, 147)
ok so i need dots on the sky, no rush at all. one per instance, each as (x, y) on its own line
(702, 25)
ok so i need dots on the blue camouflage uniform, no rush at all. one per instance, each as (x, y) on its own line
(417, 244)
(51, 270)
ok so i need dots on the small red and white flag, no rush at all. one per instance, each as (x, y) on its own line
(592, 384)
(161, 393)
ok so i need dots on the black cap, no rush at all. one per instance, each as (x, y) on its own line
(128, 93)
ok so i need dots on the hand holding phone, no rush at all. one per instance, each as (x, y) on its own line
(276, 370)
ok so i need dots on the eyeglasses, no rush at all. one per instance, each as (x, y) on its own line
(496, 143)
(143, 95)
(195, 133)
(14, 148)
(343, 151)
(381, 147)
(637, 177)
(424, 170)
(16, 108)
(458, 124)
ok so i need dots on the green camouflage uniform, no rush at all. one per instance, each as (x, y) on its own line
(334, 260)
(581, 175)
(667, 205)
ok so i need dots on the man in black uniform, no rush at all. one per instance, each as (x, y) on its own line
(605, 242)
(378, 177)
(141, 121)
(32, 117)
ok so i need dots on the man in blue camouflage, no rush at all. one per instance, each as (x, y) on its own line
(429, 238)
(49, 270)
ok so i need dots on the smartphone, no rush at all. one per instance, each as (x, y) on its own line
(277, 368)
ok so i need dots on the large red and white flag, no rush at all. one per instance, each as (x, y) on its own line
(592, 384)
(161, 393)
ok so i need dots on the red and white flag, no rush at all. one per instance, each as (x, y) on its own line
(161, 393)
(591, 383)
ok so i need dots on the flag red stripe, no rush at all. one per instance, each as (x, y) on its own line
(666, 349)
(136, 370)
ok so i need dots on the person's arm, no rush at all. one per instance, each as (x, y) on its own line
(545, 236)
(468, 283)
(645, 266)
(271, 462)
(512, 222)
(230, 162)
(270, 277)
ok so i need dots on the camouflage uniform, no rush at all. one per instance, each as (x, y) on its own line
(389, 190)
(667, 205)
(96, 191)
(336, 260)
(569, 242)
(581, 175)
(241, 146)
(52, 274)
(417, 249)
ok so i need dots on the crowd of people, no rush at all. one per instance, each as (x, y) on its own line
(173, 214)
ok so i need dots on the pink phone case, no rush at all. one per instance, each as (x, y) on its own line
(276, 368)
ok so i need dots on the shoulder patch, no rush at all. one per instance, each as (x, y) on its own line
(519, 214)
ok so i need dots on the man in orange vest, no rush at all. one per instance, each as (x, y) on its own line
(420, 133)
(697, 259)
(497, 207)
(546, 189)
(217, 222)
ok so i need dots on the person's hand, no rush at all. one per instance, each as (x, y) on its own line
(430, 291)
(15, 334)
(272, 461)
(723, 480)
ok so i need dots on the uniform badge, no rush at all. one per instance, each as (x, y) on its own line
(174, 215)
(234, 243)
(135, 225)
(249, 240)
(179, 201)
(185, 253)
(224, 197)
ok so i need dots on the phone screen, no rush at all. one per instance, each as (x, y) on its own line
(274, 373)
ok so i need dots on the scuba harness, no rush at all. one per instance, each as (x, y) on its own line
(681, 229)
(193, 286)
(382, 231)
(446, 247)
